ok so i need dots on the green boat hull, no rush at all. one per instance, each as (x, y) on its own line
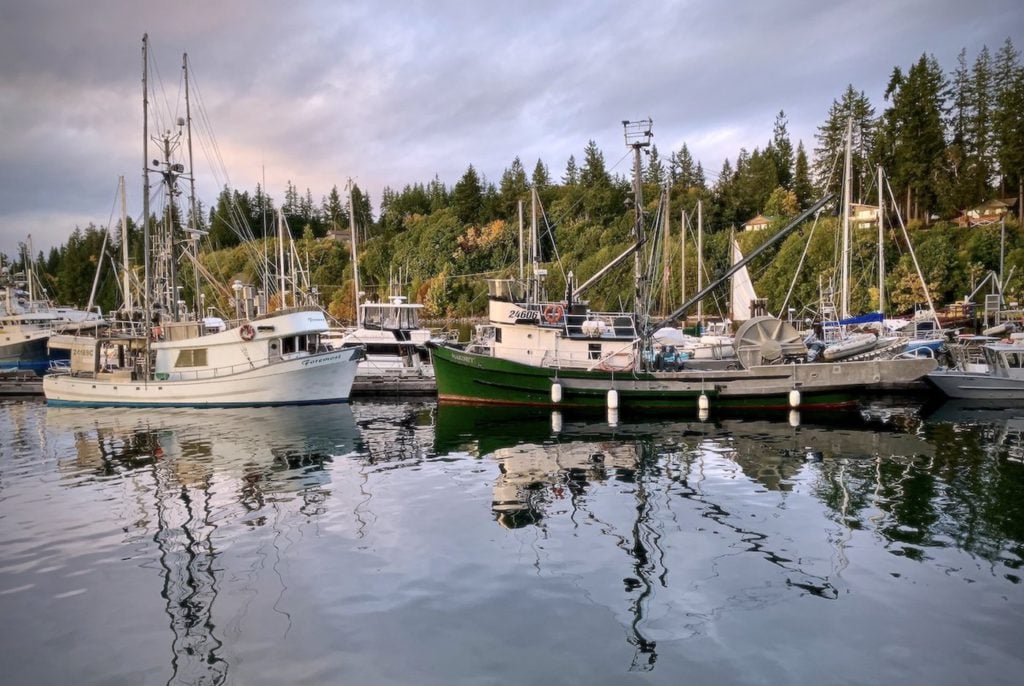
(470, 378)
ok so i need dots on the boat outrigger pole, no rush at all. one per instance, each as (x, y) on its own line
(785, 231)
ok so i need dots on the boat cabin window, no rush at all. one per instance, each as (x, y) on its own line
(594, 351)
(497, 334)
(191, 357)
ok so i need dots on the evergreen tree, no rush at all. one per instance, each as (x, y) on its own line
(540, 178)
(831, 136)
(781, 150)
(572, 174)
(1008, 121)
(803, 187)
(593, 174)
(513, 188)
(655, 171)
(914, 136)
(467, 197)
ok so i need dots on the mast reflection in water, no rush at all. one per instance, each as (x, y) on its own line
(187, 470)
(392, 542)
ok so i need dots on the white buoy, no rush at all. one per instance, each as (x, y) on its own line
(556, 393)
(556, 422)
(613, 416)
(794, 418)
(702, 403)
(613, 399)
(794, 398)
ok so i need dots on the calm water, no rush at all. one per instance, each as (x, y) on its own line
(402, 543)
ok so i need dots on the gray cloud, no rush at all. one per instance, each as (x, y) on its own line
(392, 93)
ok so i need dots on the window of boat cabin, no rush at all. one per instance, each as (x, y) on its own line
(289, 344)
(594, 351)
(191, 357)
(497, 334)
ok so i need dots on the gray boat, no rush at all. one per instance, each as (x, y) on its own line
(1002, 382)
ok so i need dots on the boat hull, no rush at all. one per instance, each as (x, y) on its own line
(480, 379)
(314, 379)
(971, 386)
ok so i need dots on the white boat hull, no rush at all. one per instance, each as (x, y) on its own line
(972, 386)
(320, 378)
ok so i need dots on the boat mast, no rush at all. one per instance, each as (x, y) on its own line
(844, 311)
(666, 266)
(534, 294)
(521, 256)
(125, 284)
(682, 255)
(881, 245)
(355, 258)
(638, 136)
(147, 296)
(700, 264)
(193, 215)
(280, 260)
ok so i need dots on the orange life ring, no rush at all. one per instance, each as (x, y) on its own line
(247, 332)
(553, 313)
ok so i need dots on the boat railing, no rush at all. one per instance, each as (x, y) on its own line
(593, 324)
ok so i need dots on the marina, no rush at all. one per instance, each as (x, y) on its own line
(433, 365)
(312, 543)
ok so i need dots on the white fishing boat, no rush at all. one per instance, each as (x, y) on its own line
(175, 355)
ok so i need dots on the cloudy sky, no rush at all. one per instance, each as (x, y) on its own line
(390, 93)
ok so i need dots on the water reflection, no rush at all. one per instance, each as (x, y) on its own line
(923, 487)
(193, 472)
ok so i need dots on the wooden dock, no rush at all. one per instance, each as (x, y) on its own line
(393, 385)
(20, 383)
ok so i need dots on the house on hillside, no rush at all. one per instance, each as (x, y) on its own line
(988, 212)
(863, 216)
(757, 223)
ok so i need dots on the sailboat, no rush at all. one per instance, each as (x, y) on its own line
(560, 353)
(173, 355)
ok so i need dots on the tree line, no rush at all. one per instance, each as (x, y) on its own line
(947, 142)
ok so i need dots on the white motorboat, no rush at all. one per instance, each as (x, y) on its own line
(1001, 382)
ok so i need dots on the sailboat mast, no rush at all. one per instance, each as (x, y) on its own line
(355, 258)
(666, 276)
(147, 297)
(534, 293)
(881, 244)
(282, 294)
(682, 256)
(125, 283)
(844, 311)
(193, 221)
(700, 263)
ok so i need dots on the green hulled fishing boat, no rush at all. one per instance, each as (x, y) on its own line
(535, 351)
